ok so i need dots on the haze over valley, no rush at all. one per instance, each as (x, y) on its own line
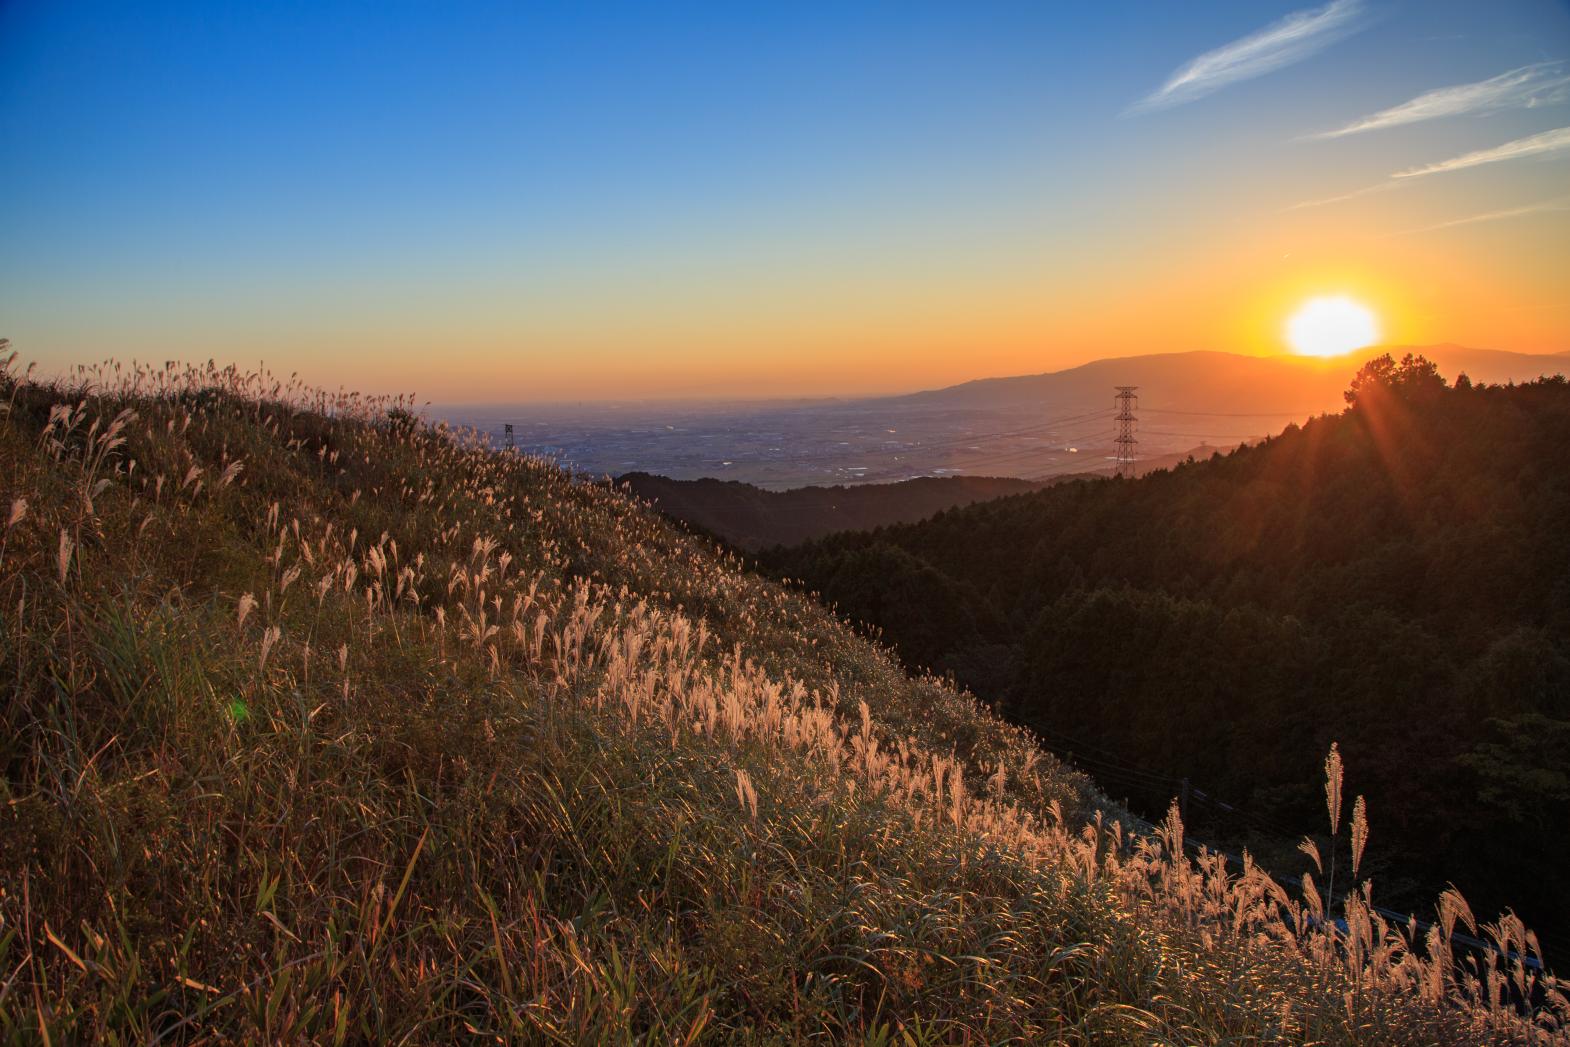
(1033, 427)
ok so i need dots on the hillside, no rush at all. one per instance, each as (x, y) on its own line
(1395, 578)
(326, 726)
(749, 517)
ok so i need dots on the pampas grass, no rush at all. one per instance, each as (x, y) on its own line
(567, 776)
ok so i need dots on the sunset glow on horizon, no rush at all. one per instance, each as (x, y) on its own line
(501, 203)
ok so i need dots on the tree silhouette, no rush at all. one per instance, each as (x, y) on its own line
(1414, 377)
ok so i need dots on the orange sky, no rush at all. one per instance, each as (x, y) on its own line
(888, 207)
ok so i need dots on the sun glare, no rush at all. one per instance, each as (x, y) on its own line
(1330, 327)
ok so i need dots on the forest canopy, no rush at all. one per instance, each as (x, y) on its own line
(1395, 578)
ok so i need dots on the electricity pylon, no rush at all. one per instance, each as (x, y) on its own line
(1126, 402)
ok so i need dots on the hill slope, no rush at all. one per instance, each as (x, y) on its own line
(1396, 578)
(751, 518)
(323, 726)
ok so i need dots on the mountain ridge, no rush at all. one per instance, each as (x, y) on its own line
(1327, 375)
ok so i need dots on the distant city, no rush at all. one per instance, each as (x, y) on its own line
(777, 446)
(1031, 427)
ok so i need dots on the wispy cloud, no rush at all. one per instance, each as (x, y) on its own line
(1530, 85)
(1321, 201)
(1292, 39)
(1553, 141)
(1353, 195)
(1560, 204)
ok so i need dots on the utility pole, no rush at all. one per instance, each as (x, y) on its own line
(1126, 403)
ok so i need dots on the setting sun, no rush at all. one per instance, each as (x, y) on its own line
(1331, 327)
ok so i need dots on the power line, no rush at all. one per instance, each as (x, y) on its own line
(1224, 414)
(1204, 436)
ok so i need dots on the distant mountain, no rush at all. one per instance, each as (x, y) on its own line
(1395, 578)
(752, 518)
(1227, 383)
(1033, 426)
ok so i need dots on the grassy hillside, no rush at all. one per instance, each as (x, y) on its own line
(323, 726)
(1395, 578)
(750, 517)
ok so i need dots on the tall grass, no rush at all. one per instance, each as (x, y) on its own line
(325, 725)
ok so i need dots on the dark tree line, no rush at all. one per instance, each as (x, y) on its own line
(1395, 578)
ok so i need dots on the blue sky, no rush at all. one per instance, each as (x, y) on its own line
(735, 198)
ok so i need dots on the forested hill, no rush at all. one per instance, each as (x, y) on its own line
(1396, 578)
(750, 517)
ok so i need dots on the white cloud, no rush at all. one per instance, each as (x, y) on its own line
(1553, 141)
(1560, 204)
(1292, 39)
(1528, 86)
(1354, 194)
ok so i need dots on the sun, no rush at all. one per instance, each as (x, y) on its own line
(1331, 326)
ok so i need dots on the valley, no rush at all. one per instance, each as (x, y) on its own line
(1033, 427)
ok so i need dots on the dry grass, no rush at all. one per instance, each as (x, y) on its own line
(326, 726)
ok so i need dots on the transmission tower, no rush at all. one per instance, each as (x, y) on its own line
(1126, 403)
